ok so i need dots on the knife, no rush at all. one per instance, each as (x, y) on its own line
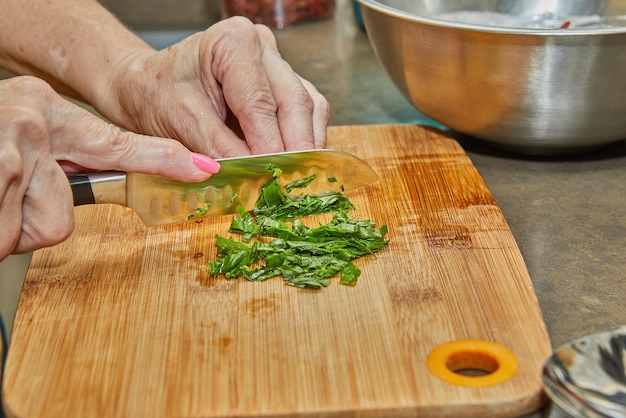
(159, 200)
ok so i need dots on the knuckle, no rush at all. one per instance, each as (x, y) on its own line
(22, 120)
(237, 26)
(28, 86)
(323, 107)
(50, 223)
(125, 146)
(234, 31)
(11, 166)
(260, 105)
(258, 101)
(118, 143)
(165, 152)
(265, 33)
(299, 102)
(262, 100)
(19, 125)
(20, 114)
(30, 125)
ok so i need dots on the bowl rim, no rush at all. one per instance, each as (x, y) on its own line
(399, 13)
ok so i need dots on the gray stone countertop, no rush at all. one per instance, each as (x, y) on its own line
(568, 215)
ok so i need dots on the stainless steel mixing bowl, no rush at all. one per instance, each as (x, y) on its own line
(587, 377)
(541, 90)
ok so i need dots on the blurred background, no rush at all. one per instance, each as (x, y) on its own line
(146, 15)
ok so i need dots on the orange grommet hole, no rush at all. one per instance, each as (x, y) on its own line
(472, 363)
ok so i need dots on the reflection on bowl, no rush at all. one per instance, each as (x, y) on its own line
(534, 76)
(587, 377)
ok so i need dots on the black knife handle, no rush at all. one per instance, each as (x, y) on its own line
(81, 188)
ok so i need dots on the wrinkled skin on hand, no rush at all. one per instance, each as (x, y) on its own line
(232, 72)
(41, 134)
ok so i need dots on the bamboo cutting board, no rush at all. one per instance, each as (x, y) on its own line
(124, 320)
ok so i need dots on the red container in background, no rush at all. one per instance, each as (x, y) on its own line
(279, 13)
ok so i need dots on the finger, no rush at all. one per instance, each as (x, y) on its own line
(10, 220)
(237, 63)
(102, 146)
(267, 36)
(29, 174)
(126, 151)
(321, 114)
(321, 107)
(11, 174)
(48, 209)
(295, 106)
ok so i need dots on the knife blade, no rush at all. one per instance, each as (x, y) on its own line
(159, 200)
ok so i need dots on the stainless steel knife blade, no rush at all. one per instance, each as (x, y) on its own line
(159, 200)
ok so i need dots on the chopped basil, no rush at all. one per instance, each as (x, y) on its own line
(305, 257)
(200, 212)
(302, 183)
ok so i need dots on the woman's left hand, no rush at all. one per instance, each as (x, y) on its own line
(222, 92)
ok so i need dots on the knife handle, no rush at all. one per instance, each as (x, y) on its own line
(81, 189)
(98, 187)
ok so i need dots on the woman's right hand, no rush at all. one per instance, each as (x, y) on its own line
(41, 135)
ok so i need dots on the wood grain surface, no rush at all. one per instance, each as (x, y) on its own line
(124, 320)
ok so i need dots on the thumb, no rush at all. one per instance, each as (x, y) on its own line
(98, 145)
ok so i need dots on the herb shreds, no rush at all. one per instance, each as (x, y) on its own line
(274, 242)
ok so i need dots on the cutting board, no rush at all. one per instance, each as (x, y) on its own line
(124, 320)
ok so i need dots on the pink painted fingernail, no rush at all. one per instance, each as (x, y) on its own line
(205, 163)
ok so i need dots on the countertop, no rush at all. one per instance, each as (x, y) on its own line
(567, 214)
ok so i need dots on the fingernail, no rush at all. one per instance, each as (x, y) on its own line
(204, 163)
